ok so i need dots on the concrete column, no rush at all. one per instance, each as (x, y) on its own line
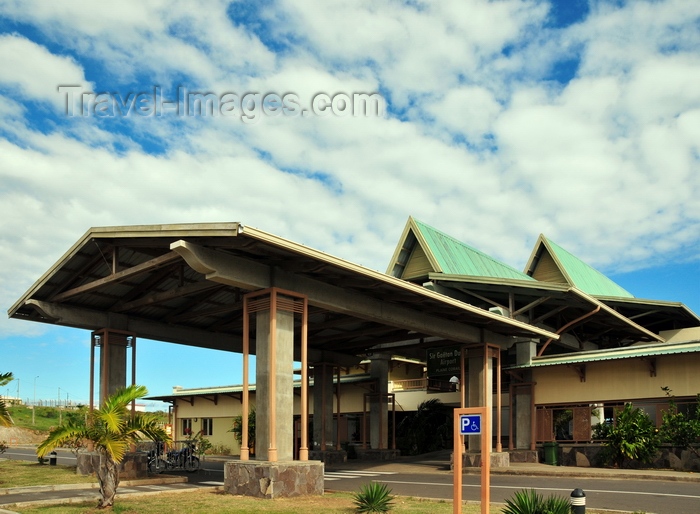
(379, 408)
(477, 396)
(324, 435)
(524, 352)
(284, 394)
(113, 363)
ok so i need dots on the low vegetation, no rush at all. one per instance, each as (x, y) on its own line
(18, 473)
(530, 502)
(373, 497)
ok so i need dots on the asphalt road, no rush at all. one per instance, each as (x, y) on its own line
(649, 496)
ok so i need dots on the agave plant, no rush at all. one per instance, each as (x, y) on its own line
(529, 502)
(373, 497)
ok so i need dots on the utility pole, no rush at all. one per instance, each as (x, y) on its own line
(34, 406)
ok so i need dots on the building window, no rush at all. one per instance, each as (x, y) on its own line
(207, 426)
(186, 426)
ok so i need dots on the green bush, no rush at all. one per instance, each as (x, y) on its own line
(678, 429)
(219, 449)
(529, 502)
(633, 436)
(426, 430)
(373, 497)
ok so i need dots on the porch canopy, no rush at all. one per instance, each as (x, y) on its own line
(185, 283)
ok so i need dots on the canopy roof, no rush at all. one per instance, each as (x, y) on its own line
(184, 284)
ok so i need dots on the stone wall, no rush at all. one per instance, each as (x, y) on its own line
(586, 455)
(329, 457)
(373, 455)
(263, 479)
(134, 465)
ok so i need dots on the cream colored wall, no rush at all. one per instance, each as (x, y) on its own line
(624, 379)
(222, 415)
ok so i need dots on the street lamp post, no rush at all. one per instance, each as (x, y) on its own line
(34, 406)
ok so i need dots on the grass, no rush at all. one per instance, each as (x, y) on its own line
(213, 502)
(45, 418)
(18, 473)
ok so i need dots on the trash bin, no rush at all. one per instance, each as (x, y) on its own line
(551, 453)
(52, 458)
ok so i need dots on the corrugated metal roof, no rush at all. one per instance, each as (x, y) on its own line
(630, 352)
(582, 275)
(457, 258)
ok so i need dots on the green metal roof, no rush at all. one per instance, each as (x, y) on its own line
(630, 352)
(583, 276)
(457, 258)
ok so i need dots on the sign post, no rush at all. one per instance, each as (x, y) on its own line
(472, 421)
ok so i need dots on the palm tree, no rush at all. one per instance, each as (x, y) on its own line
(5, 418)
(112, 430)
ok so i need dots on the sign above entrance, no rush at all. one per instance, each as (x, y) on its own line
(443, 361)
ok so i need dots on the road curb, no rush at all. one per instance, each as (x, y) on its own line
(166, 479)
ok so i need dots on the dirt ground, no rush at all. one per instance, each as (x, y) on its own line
(14, 436)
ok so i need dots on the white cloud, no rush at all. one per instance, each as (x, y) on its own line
(35, 71)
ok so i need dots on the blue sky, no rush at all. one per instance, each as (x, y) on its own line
(500, 121)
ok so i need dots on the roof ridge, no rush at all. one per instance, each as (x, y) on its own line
(600, 274)
(421, 224)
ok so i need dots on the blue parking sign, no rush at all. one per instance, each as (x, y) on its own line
(470, 424)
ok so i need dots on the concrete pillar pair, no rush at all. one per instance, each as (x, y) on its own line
(324, 437)
(379, 405)
(113, 346)
(522, 402)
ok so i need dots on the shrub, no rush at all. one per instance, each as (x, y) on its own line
(426, 430)
(219, 449)
(373, 497)
(680, 430)
(529, 502)
(633, 436)
(237, 429)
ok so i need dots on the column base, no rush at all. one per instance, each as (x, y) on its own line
(265, 479)
(329, 457)
(370, 454)
(473, 460)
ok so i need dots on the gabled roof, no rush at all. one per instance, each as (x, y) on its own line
(423, 250)
(549, 262)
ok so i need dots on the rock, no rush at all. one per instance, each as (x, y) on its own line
(582, 461)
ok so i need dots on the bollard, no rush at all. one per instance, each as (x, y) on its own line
(578, 501)
(53, 456)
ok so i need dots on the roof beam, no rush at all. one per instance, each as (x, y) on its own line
(88, 319)
(165, 296)
(149, 265)
(250, 275)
